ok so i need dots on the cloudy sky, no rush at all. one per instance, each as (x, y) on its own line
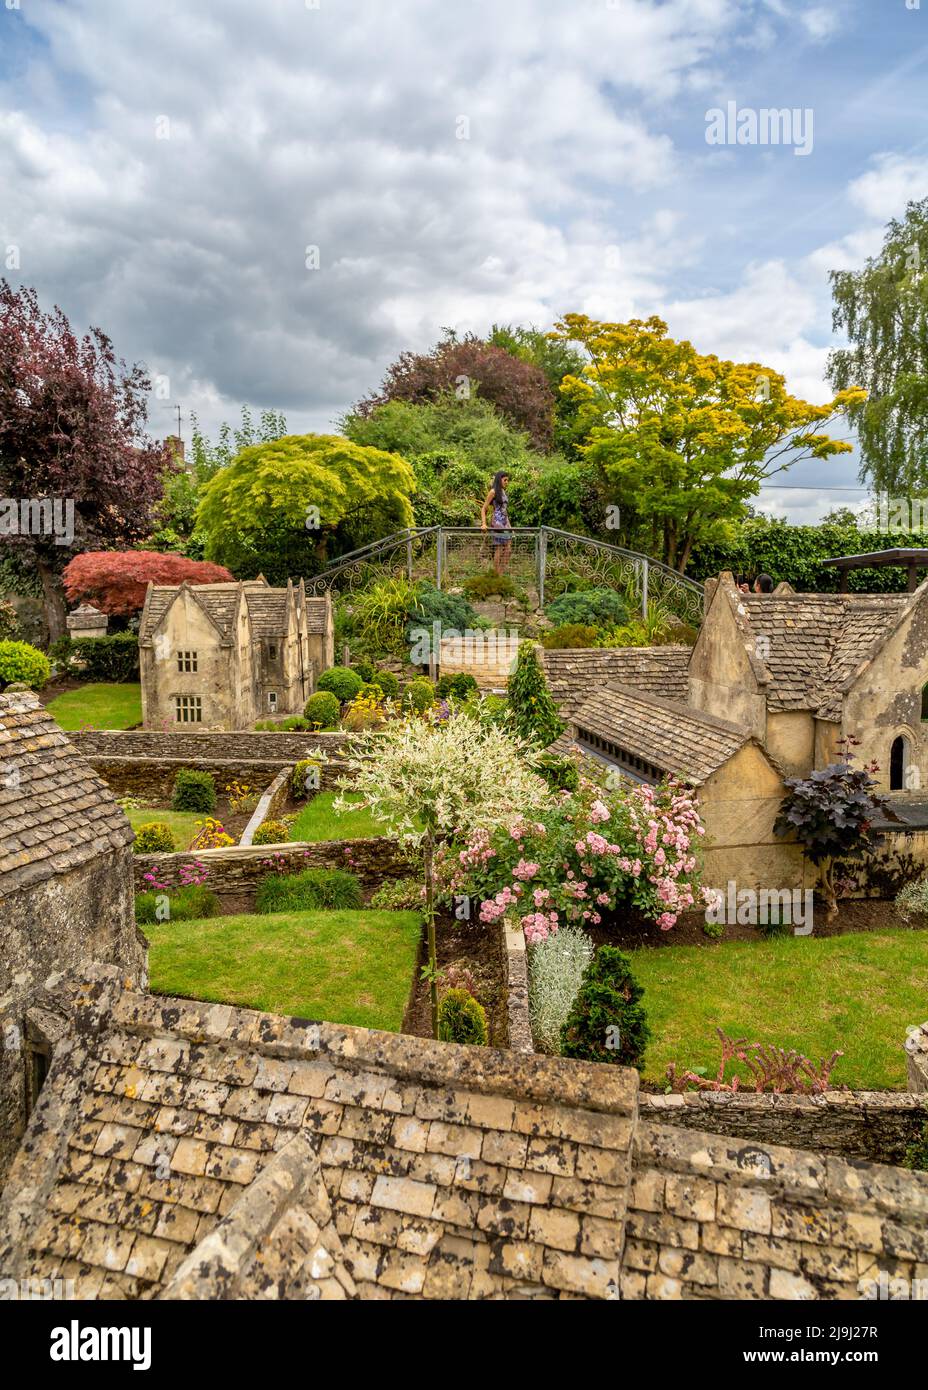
(167, 169)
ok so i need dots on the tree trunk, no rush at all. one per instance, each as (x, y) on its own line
(430, 910)
(56, 609)
(828, 891)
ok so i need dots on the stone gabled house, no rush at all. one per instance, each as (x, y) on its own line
(66, 895)
(222, 656)
(771, 687)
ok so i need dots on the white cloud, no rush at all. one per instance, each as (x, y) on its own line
(896, 179)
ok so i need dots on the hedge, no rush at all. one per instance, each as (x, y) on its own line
(795, 554)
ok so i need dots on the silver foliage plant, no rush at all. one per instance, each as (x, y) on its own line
(555, 968)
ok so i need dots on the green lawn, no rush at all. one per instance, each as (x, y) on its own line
(344, 967)
(182, 823)
(103, 706)
(857, 992)
(319, 821)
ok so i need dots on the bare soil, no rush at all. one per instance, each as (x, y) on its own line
(630, 932)
(475, 947)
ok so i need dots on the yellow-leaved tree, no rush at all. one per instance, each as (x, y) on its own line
(683, 439)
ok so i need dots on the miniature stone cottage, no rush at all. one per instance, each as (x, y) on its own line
(222, 656)
(66, 894)
(771, 687)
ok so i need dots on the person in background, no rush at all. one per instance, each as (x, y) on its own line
(763, 584)
(502, 533)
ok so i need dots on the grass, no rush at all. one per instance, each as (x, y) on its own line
(103, 706)
(318, 820)
(183, 823)
(857, 992)
(343, 967)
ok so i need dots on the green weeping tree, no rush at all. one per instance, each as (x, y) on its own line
(883, 310)
(287, 507)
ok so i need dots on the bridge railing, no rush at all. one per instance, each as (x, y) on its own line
(545, 557)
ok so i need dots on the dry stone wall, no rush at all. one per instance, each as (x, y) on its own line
(717, 1217)
(877, 1126)
(235, 872)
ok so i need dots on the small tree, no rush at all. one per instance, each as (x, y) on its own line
(72, 430)
(451, 778)
(532, 712)
(283, 507)
(115, 581)
(607, 1023)
(831, 815)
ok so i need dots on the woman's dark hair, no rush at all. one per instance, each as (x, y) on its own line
(765, 583)
(498, 486)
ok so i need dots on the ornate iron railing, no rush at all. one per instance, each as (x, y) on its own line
(542, 557)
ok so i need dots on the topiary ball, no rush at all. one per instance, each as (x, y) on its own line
(341, 682)
(322, 710)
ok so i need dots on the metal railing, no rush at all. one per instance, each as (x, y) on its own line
(544, 556)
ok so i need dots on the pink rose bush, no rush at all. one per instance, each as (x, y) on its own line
(590, 851)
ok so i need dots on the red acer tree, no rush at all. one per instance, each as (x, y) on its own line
(519, 390)
(115, 580)
(72, 432)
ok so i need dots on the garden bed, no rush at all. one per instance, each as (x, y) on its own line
(341, 967)
(183, 823)
(631, 932)
(473, 946)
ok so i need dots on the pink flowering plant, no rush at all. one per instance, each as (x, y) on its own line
(590, 851)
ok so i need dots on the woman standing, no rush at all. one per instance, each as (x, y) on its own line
(502, 533)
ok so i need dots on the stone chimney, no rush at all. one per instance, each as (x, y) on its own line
(87, 621)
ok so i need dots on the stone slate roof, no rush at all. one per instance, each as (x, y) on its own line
(672, 736)
(817, 642)
(574, 673)
(316, 610)
(185, 1149)
(55, 812)
(267, 609)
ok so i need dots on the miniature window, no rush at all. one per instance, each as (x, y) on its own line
(272, 652)
(189, 709)
(898, 758)
(925, 702)
(272, 699)
(186, 661)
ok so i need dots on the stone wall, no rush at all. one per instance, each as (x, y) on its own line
(715, 1217)
(877, 1126)
(268, 746)
(154, 778)
(270, 806)
(515, 982)
(235, 871)
(135, 763)
(60, 923)
(916, 1051)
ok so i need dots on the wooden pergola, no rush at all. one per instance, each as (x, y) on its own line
(910, 559)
